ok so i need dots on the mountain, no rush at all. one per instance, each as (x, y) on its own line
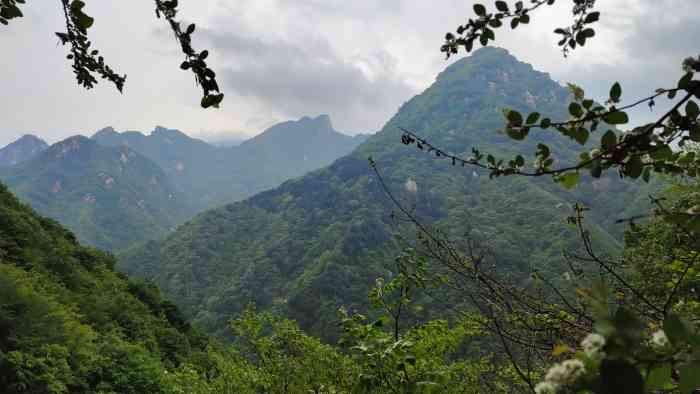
(318, 242)
(110, 197)
(70, 324)
(21, 150)
(210, 175)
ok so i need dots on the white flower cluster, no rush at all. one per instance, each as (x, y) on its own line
(560, 375)
(546, 388)
(659, 339)
(593, 346)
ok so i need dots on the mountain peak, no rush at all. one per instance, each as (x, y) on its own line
(25, 148)
(30, 138)
(486, 59)
(166, 132)
(321, 121)
(105, 132)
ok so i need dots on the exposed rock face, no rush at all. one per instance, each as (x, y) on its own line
(110, 197)
(211, 175)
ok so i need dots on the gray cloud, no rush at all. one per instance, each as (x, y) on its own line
(280, 59)
(651, 46)
(298, 78)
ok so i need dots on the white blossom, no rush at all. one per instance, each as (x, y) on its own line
(593, 346)
(411, 186)
(574, 369)
(659, 339)
(546, 388)
(556, 374)
(566, 372)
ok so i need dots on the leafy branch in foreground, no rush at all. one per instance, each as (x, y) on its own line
(604, 307)
(205, 77)
(87, 62)
(9, 9)
(482, 27)
(637, 153)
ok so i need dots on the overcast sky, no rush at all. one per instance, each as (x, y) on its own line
(357, 61)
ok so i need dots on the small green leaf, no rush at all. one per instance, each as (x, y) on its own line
(515, 118)
(575, 110)
(581, 135)
(502, 6)
(692, 110)
(690, 377)
(479, 9)
(609, 140)
(615, 92)
(546, 122)
(569, 180)
(634, 167)
(484, 39)
(684, 82)
(519, 161)
(619, 376)
(675, 329)
(10, 11)
(658, 378)
(663, 152)
(532, 118)
(695, 133)
(615, 118)
(592, 17)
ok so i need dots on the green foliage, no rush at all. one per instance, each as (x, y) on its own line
(10, 9)
(110, 197)
(632, 348)
(482, 27)
(319, 242)
(209, 176)
(69, 323)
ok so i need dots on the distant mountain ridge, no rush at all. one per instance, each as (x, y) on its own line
(22, 150)
(211, 175)
(111, 197)
(318, 242)
(117, 189)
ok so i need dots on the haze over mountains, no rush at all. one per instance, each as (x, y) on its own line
(116, 189)
(110, 197)
(318, 242)
(21, 150)
(209, 175)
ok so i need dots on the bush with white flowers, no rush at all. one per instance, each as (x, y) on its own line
(625, 356)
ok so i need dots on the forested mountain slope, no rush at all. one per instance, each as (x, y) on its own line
(110, 197)
(318, 242)
(21, 150)
(208, 175)
(70, 324)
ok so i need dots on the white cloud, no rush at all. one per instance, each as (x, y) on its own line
(280, 59)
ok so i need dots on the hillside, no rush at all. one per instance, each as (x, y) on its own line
(210, 175)
(21, 150)
(70, 324)
(110, 197)
(318, 242)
